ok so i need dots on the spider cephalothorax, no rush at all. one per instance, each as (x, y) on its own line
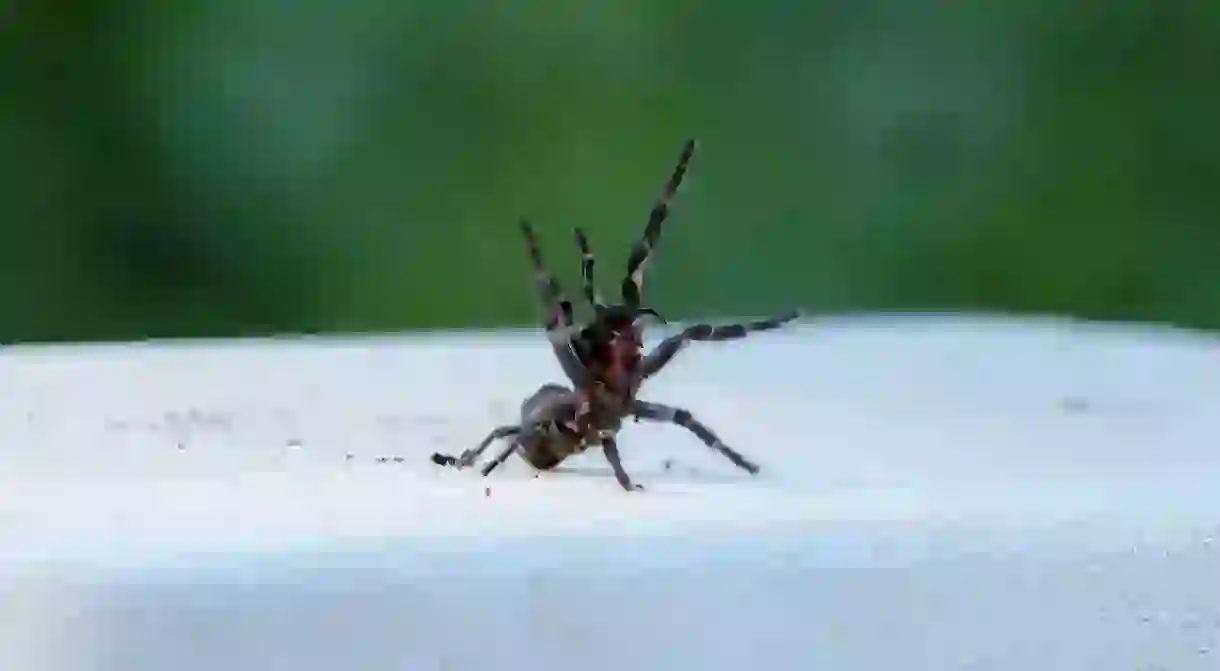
(611, 346)
(604, 361)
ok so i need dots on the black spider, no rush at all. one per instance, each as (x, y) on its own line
(604, 363)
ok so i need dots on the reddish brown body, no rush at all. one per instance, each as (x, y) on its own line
(605, 364)
(597, 407)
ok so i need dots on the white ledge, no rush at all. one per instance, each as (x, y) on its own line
(937, 493)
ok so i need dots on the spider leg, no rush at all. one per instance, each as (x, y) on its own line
(544, 416)
(610, 449)
(502, 456)
(548, 428)
(557, 305)
(665, 352)
(559, 324)
(658, 412)
(468, 457)
(587, 261)
(633, 283)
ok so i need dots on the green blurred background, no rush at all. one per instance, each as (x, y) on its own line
(247, 167)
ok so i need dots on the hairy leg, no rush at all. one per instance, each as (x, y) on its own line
(502, 456)
(549, 404)
(468, 457)
(665, 352)
(545, 417)
(610, 449)
(633, 283)
(499, 433)
(658, 412)
(587, 261)
(556, 438)
(558, 307)
(559, 324)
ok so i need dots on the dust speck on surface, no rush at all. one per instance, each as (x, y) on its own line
(1074, 404)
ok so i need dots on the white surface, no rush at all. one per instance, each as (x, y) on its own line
(936, 494)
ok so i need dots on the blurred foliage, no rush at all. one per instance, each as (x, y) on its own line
(241, 167)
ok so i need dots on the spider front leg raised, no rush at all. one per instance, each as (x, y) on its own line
(560, 321)
(553, 298)
(633, 283)
(587, 261)
(658, 412)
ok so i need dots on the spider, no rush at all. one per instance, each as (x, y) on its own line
(604, 363)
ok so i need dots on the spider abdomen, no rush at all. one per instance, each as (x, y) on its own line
(545, 450)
